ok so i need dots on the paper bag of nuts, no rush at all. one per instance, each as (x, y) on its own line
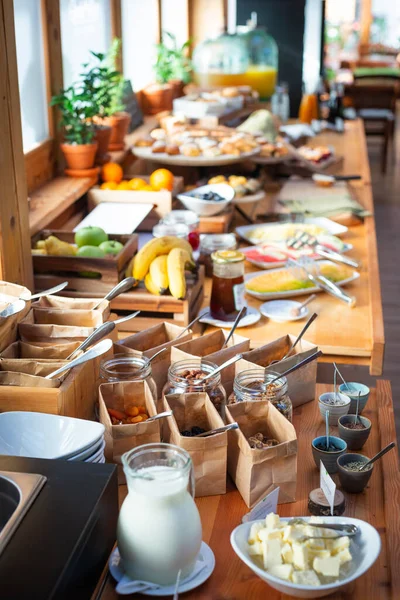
(262, 453)
(195, 413)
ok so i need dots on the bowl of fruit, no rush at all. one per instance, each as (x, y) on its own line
(208, 200)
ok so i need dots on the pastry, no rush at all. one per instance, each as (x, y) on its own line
(190, 149)
(158, 134)
(172, 150)
(230, 92)
(229, 148)
(212, 151)
(144, 142)
(158, 147)
(217, 179)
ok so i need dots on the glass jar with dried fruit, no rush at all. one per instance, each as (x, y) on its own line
(128, 368)
(185, 376)
(255, 384)
(227, 295)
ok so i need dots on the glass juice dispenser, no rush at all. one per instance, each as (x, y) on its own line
(247, 57)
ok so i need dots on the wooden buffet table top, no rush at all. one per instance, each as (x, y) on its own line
(344, 335)
(378, 504)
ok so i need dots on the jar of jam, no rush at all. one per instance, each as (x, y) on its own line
(185, 376)
(128, 368)
(211, 243)
(188, 218)
(227, 295)
(254, 385)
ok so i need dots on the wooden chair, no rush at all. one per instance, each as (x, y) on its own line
(375, 102)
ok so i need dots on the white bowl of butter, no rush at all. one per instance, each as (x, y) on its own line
(304, 568)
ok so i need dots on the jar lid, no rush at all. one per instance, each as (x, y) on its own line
(227, 256)
(217, 241)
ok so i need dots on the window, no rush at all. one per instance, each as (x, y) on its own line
(31, 72)
(139, 35)
(85, 26)
(385, 27)
(174, 19)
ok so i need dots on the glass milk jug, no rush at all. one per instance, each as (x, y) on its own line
(159, 528)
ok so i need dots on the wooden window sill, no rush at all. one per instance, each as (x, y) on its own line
(53, 198)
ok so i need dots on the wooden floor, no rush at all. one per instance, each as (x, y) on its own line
(386, 189)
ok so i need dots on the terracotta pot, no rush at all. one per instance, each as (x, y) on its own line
(102, 137)
(157, 97)
(119, 123)
(177, 87)
(79, 156)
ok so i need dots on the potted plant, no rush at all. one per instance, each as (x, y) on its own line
(107, 85)
(172, 70)
(79, 147)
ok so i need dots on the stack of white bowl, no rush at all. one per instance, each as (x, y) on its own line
(39, 435)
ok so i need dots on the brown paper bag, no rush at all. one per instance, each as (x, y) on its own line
(29, 373)
(209, 455)
(25, 350)
(209, 347)
(257, 472)
(65, 303)
(121, 438)
(10, 292)
(301, 383)
(75, 318)
(148, 342)
(32, 331)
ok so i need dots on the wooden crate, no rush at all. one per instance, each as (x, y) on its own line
(161, 200)
(9, 292)
(159, 309)
(52, 270)
(218, 223)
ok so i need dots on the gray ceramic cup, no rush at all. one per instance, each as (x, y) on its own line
(354, 438)
(328, 458)
(353, 481)
(351, 390)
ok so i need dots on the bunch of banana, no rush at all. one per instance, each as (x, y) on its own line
(161, 263)
(52, 246)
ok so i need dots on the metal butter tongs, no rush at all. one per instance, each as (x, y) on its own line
(306, 268)
(302, 239)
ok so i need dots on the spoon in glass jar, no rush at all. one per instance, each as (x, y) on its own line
(227, 363)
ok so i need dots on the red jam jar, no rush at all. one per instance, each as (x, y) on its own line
(227, 296)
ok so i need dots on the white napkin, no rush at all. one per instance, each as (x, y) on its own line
(131, 586)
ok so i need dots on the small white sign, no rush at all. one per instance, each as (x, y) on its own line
(327, 485)
(263, 508)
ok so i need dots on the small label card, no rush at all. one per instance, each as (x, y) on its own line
(327, 485)
(263, 508)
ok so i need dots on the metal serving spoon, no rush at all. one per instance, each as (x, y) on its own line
(296, 341)
(230, 361)
(217, 430)
(100, 332)
(192, 323)
(295, 367)
(12, 309)
(167, 413)
(235, 324)
(346, 528)
(123, 286)
(378, 455)
(49, 292)
(97, 350)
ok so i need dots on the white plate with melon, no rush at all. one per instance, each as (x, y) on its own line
(359, 555)
(281, 283)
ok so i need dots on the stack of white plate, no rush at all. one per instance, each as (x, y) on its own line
(39, 435)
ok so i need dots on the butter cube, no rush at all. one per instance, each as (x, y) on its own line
(305, 578)
(316, 544)
(344, 556)
(270, 534)
(287, 553)
(300, 556)
(293, 533)
(312, 553)
(272, 521)
(282, 571)
(339, 544)
(271, 553)
(255, 549)
(329, 567)
(254, 531)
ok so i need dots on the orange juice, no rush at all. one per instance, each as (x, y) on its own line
(260, 77)
(308, 108)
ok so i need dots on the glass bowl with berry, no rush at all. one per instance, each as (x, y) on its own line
(188, 218)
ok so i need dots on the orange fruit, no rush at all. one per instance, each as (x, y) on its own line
(124, 185)
(109, 185)
(112, 172)
(147, 188)
(162, 179)
(137, 183)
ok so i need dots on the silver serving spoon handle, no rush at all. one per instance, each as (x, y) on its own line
(192, 323)
(230, 361)
(235, 324)
(49, 292)
(218, 430)
(97, 350)
(167, 413)
(295, 367)
(12, 309)
(157, 354)
(347, 528)
(123, 286)
(96, 336)
(378, 455)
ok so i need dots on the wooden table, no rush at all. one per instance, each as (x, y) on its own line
(344, 335)
(378, 504)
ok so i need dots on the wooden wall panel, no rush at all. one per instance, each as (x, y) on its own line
(15, 254)
(207, 18)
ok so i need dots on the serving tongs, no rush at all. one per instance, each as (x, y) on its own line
(302, 239)
(342, 529)
(306, 268)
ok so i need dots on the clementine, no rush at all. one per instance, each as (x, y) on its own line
(147, 188)
(137, 183)
(109, 185)
(124, 185)
(112, 172)
(162, 179)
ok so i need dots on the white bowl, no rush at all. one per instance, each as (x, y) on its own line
(207, 208)
(88, 454)
(365, 549)
(39, 435)
(335, 412)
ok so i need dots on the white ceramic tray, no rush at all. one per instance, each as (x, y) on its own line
(191, 161)
(330, 227)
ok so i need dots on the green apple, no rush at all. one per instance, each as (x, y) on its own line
(111, 247)
(90, 236)
(91, 252)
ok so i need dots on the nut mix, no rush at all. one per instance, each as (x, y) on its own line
(259, 441)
